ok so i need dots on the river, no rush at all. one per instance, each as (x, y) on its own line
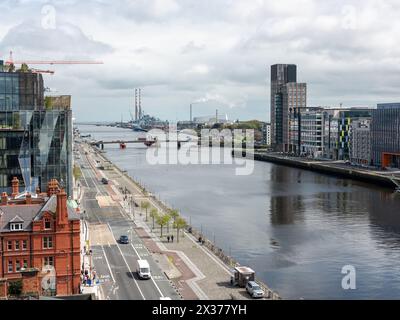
(295, 228)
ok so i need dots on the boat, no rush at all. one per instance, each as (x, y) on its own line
(137, 128)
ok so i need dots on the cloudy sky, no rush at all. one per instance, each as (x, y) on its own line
(216, 53)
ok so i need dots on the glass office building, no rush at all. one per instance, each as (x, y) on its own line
(35, 141)
(385, 135)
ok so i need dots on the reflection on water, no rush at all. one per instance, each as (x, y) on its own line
(296, 228)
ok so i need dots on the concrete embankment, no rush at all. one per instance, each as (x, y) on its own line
(327, 167)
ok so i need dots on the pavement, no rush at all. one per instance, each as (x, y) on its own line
(191, 269)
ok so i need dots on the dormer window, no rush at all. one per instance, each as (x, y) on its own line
(16, 226)
(47, 223)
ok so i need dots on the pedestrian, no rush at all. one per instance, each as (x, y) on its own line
(168, 238)
(172, 238)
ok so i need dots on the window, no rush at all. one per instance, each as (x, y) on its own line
(16, 226)
(9, 245)
(47, 242)
(17, 265)
(10, 266)
(48, 261)
(17, 245)
(25, 263)
(24, 244)
(47, 223)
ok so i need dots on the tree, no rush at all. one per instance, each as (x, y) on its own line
(154, 214)
(168, 219)
(77, 172)
(174, 214)
(161, 221)
(179, 224)
(15, 287)
(145, 205)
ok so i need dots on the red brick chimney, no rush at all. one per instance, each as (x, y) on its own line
(4, 198)
(52, 187)
(15, 187)
(28, 198)
(62, 212)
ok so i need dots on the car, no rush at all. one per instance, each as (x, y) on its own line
(254, 289)
(123, 239)
(104, 181)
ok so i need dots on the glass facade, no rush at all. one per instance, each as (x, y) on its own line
(385, 136)
(35, 143)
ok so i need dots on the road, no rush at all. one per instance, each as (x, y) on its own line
(115, 263)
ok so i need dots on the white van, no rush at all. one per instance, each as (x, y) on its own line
(143, 269)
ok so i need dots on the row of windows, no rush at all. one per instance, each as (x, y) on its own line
(23, 244)
(17, 245)
(17, 265)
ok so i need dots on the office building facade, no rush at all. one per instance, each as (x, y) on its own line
(286, 95)
(35, 139)
(360, 142)
(385, 135)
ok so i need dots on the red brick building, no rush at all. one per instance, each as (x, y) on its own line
(39, 241)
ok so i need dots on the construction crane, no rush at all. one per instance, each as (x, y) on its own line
(11, 61)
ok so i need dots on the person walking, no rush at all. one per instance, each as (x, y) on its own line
(172, 238)
(168, 238)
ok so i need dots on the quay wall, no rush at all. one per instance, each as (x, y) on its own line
(349, 173)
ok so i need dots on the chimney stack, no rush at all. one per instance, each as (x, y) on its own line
(15, 187)
(52, 187)
(62, 211)
(4, 199)
(28, 198)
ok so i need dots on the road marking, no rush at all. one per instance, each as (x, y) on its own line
(108, 264)
(129, 269)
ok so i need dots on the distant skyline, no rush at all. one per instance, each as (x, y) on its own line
(217, 52)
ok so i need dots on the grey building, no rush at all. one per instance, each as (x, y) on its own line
(35, 139)
(360, 142)
(385, 135)
(286, 94)
(310, 123)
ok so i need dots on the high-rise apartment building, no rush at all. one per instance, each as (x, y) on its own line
(35, 137)
(286, 95)
(360, 142)
(385, 135)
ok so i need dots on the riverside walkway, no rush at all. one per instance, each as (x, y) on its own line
(192, 268)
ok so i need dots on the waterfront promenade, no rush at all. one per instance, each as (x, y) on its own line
(193, 269)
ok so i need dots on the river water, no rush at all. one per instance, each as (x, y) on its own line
(297, 229)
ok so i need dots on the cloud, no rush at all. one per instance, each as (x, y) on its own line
(66, 40)
(180, 50)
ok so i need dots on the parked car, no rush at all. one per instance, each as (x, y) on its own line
(104, 181)
(124, 239)
(254, 290)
